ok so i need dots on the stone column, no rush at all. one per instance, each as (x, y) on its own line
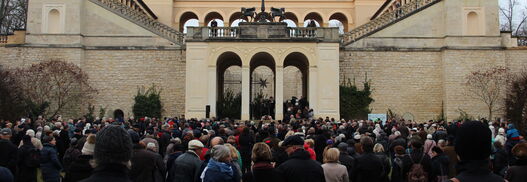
(246, 81)
(312, 89)
(213, 92)
(279, 93)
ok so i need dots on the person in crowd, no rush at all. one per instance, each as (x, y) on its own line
(8, 151)
(28, 161)
(147, 166)
(173, 154)
(368, 167)
(235, 158)
(246, 140)
(308, 146)
(439, 171)
(501, 137)
(400, 164)
(346, 159)
(262, 169)
(149, 138)
(378, 149)
(112, 154)
(186, 167)
(299, 167)
(333, 171)
(81, 168)
(473, 147)
(513, 137)
(36, 142)
(500, 160)
(450, 152)
(220, 168)
(420, 166)
(49, 161)
(429, 144)
(71, 154)
(517, 171)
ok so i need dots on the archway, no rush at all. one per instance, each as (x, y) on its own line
(299, 102)
(339, 20)
(314, 16)
(290, 19)
(214, 16)
(236, 18)
(262, 85)
(118, 115)
(188, 19)
(228, 74)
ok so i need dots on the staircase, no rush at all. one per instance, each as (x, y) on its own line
(129, 10)
(386, 19)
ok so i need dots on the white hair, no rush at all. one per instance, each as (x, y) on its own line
(220, 152)
(31, 133)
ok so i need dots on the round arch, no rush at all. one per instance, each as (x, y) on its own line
(211, 16)
(223, 62)
(185, 17)
(290, 16)
(341, 18)
(300, 61)
(236, 16)
(315, 16)
(257, 60)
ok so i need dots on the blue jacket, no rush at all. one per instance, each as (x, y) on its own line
(220, 172)
(49, 163)
(512, 132)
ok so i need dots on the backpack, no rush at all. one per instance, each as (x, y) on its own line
(417, 172)
(33, 158)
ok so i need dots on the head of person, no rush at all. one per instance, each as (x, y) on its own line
(378, 148)
(436, 151)
(26, 140)
(89, 145)
(221, 153)
(292, 144)
(367, 144)
(399, 150)
(520, 151)
(49, 140)
(234, 151)
(5, 133)
(30, 133)
(113, 145)
(196, 146)
(331, 155)
(216, 141)
(473, 141)
(416, 143)
(261, 152)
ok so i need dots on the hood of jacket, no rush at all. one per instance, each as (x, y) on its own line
(222, 167)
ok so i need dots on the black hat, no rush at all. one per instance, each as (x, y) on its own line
(293, 140)
(473, 141)
(112, 146)
(77, 130)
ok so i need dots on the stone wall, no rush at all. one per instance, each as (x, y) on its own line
(116, 74)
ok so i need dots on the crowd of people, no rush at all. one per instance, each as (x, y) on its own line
(294, 150)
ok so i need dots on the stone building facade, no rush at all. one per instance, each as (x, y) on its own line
(417, 62)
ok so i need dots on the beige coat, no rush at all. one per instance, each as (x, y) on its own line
(334, 172)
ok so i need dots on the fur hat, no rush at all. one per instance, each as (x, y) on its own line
(112, 146)
(89, 146)
(473, 141)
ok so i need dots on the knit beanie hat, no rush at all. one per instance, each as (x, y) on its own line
(89, 146)
(473, 141)
(112, 146)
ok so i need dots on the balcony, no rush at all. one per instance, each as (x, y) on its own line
(263, 31)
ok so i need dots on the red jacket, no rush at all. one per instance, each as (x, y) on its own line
(312, 153)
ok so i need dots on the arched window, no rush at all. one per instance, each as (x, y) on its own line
(473, 27)
(188, 19)
(54, 21)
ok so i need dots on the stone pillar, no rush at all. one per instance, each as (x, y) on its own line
(246, 83)
(212, 90)
(312, 89)
(279, 93)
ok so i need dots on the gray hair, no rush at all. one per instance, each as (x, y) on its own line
(220, 152)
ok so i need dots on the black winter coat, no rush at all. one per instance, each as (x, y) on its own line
(8, 155)
(49, 163)
(368, 168)
(439, 166)
(300, 168)
(476, 171)
(348, 161)
(79, 169)
(25, 173)
(147, 166)
(517, 172)
(109, 173)
(262, 172)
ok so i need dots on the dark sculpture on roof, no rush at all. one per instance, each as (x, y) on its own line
(263, 16)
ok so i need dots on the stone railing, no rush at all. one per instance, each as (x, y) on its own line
(223, 32)
(263, 31)
(3, 39)
(302, 32)
(131, 11)
(385, 20)
(522, 41)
